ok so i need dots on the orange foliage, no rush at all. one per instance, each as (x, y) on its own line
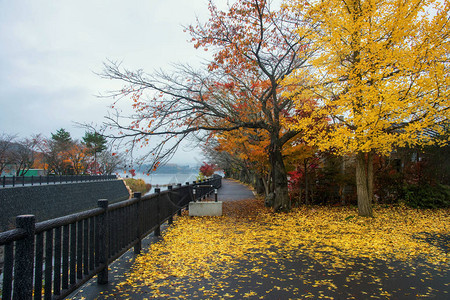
(249, 146)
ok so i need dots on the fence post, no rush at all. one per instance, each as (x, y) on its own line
(24, 258)
(8, 258)
(103, 241)
(158, 213)
(178, 200)
(170, 188)
(138, 246)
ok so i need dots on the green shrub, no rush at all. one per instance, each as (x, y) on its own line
(138, 185)
(427, 196)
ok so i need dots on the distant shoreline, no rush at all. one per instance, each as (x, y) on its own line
(158, 180)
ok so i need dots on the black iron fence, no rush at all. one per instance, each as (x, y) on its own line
(7, 181)
(55, 257)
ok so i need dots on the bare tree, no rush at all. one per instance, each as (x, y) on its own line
(24, 155)
(109, 163)
(6, 142)
(254, 48)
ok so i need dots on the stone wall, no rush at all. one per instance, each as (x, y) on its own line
(56, 200)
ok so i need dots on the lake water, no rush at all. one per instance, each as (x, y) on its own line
(162, 180)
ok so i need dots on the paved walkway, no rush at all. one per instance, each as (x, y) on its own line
(231, 190)
(284, 275)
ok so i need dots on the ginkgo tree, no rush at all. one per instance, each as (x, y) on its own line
(254, 48)
(381, 74)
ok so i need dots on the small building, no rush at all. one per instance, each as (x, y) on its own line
(31, 172)
(35, 172)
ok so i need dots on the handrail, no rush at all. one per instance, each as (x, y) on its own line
(11, 236)
(13, 181)
(66, 220)
(57, 256)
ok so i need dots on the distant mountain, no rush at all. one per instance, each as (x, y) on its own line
(171, 169)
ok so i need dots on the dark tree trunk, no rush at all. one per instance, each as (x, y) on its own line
(282, 202)
(305, 167)
(364, 183)
(260, 185)
(266, 185)
(342, 183)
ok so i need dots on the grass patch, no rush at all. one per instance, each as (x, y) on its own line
(138, 185)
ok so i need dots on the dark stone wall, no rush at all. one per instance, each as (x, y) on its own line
(56, 200)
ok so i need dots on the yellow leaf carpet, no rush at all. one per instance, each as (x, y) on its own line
(311, 252)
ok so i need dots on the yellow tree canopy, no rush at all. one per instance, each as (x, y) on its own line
(381, 72)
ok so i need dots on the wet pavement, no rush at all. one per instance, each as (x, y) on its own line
(292, 275)
(231, 190)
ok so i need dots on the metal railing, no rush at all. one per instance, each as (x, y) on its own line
(7, 181)
(55, 257)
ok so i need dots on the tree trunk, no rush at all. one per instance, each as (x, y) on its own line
(265, 183)
(364, 183)
(282, 202)
(258, 183)
(342, 182)
(305, 174)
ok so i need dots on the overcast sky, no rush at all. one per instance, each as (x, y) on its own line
(49, 51)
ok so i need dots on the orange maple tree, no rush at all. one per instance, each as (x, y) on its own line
(254, 48)
(248, 150)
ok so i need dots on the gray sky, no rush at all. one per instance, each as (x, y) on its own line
(49, 51)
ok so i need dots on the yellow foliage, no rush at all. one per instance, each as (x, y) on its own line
(252, 146)
(381, 73)
(196, 248)
(248, 145)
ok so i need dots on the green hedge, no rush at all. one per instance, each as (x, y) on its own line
(427, 196)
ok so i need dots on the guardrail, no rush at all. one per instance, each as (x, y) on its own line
(7, 181)
(55, 257)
